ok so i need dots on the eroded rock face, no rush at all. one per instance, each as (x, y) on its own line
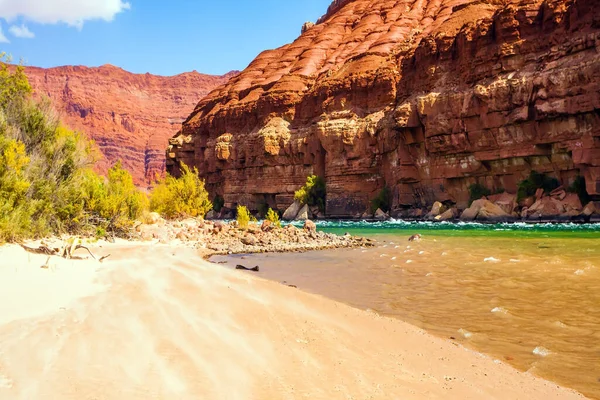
(130, 116)
(424, 97)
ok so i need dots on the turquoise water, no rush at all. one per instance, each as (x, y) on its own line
(520, 230)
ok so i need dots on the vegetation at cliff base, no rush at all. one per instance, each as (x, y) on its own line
(273, 217)
(477, 191)
(535, 181)
(48, 186)
(243, 217)
(579, 187)
(312, 193)
(218, 203)
(181, 197)
(382, 201)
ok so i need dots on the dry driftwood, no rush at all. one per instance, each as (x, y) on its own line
(65, 252)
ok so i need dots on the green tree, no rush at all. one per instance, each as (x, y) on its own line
(273, 217)
(313, 192)
(181, 197)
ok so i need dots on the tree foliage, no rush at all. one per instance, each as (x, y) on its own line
(181, 197)
(477, 191)
(382, 201)
(243, 217)
(313, 192)
(535, 181)
(46, 184)
(273, 217)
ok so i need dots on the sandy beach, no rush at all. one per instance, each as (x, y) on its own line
(158, 322)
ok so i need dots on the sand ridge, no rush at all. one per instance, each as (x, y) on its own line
(160, 322)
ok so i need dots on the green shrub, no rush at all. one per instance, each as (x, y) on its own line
(382, 201)
(243, 217)
(273, 217)
(579, 187)
(46, 186)
(477, 191)
(181, 197)
(218, 203)
(536, 181)
(312, 193)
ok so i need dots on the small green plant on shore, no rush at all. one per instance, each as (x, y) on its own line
(243, 217)
(382, 201)
(181, 197)
(535, 181)
(579, 187)
(273, 217)
(477, 191)
(218, 203)
(313, 193)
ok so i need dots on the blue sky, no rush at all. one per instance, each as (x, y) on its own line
(159, 37)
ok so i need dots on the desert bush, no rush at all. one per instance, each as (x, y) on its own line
(535, 181)
(383, 200)
(313, 192)
(273, 217)
(243, 217)
(477, 191)
(181, 197)
(45, 171)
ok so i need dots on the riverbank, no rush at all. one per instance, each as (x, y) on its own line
(158, 321)
(225, 237)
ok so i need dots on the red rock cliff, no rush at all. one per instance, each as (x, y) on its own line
(130, 116)
(426, 97)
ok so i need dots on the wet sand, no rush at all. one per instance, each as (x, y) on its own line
(155, 321)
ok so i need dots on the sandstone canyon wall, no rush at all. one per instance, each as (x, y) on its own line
(424, 96)
(130, 116)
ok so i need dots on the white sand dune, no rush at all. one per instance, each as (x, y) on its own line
(155, 322)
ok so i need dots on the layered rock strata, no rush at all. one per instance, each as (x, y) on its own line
(425, 97)
(130, 116)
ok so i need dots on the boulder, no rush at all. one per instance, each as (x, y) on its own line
(484, 210)
(249, 240)
(380, 215)
(267, 226)
(212, 214)
(589, 209)
(303, 214)
(292, 211)
(571, 203)
(491, 212)
(416, 213)
(506, 201)
(545, 207)
(154, 218)
(310, 226)
(527, 201)
(436, 209)
(447, 215)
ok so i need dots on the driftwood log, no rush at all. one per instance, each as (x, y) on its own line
(67, 251)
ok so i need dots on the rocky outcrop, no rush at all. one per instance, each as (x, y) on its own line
(130, 116)
(424, 97)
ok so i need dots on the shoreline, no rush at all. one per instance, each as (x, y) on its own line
(292, 343)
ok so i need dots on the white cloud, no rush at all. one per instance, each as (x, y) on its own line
(21, 32)
(3, 38)
(70, 12)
